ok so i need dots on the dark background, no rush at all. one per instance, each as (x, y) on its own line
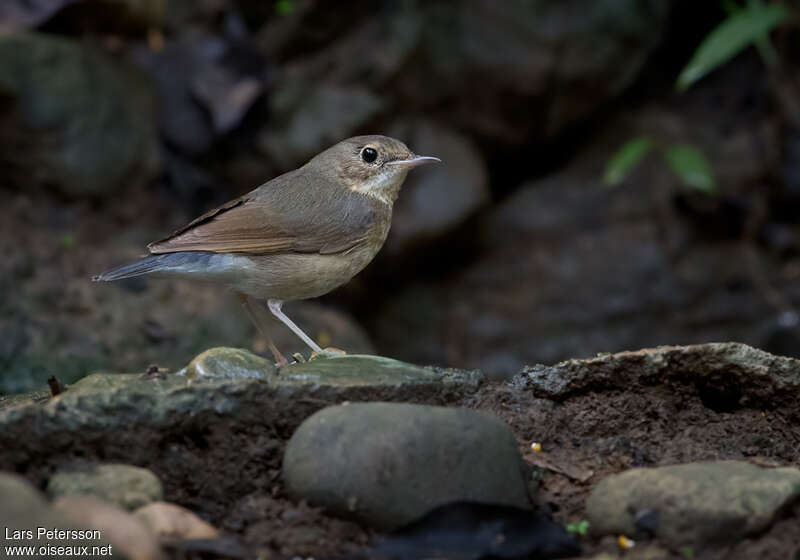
(121, 121)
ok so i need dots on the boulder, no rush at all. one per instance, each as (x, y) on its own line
(88, 122)
(695, 504)
(129, 536)
(173, 522)
(387, 464)
(126, 486)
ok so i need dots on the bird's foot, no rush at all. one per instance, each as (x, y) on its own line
(329, 352)
(280, 360)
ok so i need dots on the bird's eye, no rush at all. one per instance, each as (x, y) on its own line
(369, 155)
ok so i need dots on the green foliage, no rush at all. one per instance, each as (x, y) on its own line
(742, 28)
(688, 163)
(284, 7)
(691, 166)
(67, 240)
(687, 552)
(626, 158)
(581, 527)
(745, 26)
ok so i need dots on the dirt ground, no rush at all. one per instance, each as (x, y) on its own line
(584, 438)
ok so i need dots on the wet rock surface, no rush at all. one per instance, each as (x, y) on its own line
(699, 505)
(364, 460)
(157, 400)
(123, 485)
(229, 363)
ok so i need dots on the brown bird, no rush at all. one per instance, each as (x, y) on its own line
(298, 236)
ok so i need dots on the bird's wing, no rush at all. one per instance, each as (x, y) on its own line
(282, 216)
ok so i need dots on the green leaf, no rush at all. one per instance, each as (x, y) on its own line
(692, 167)
(582, 527)
(739, 30)
(625, 159)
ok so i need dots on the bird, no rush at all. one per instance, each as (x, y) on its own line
(297, 236)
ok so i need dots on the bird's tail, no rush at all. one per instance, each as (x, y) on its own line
(169, 263)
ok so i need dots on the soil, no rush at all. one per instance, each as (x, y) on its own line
(587, 437)
(230, 473)
(584, 438)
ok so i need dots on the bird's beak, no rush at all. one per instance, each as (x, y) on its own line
(414, 161)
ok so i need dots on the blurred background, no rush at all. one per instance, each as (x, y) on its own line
(586, 203)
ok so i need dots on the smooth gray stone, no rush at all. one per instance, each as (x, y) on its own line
(126, 486)
(387, 464)
(696, 504)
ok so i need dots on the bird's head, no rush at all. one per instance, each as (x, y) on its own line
(372, 165)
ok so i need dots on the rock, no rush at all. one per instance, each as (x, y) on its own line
(596, 281)
(539, 56)
(474, 530)
(178, 426)
(438, 199)
(388, 464)
(314, 118)
(24, 509)
(16, 14)
(202, 95)
(126, 486)
(182, 121)
(727, 375)
(123, 530)
(87, 120)
(696, 504)
(122, 400)
(229, 363)
(173, 522)
(366, 371)
(226, 95)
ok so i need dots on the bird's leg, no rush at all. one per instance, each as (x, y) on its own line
(275, 306)
(254, 311)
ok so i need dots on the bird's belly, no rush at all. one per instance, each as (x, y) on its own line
(298, 276)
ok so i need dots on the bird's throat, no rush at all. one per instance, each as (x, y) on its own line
(383, 186)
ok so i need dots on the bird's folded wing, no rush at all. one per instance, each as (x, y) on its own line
(274, 220)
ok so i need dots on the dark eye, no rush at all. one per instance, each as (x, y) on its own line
(369, 155)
